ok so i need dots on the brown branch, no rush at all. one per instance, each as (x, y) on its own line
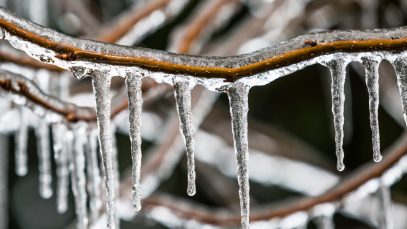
(194, 29)
(112, 33)
(229, 68)
(352, 183)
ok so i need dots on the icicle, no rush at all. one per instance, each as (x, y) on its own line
(133, 83)
(62, 147)
(338, 74)
(183, 99)
(372, 83)
(401, 72)
(44, 158)
(238, 109)
(384, 215)
(115, 162)
(101, 89)
(21, 143)
(94, 179)
(78, 178)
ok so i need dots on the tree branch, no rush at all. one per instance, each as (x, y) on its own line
(299, 49)
(348, 185)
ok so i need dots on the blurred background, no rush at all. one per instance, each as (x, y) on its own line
(291, 137)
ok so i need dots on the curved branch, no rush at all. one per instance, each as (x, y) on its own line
(22, 86)
(68, 49)
(354, 181)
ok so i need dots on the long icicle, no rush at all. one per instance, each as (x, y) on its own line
(372, 83)
(93, 176)
(238, 99)
(78, 177)
(400, 67)
(62, 147)
(338, 74)
(21, 144)
(133, 83)
(101, 89)
(44, 158)
(183, 99)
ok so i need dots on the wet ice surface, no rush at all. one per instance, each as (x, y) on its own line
(133, 83)
(182, 93)
(238, 110)
(338, 74)
(372, 82)
(101, 88)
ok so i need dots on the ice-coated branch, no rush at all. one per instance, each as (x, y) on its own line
(65, 51)
(22, 86)
(337, 193)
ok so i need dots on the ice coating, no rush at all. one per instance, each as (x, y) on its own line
(78, 177)
(133, 83)
(44, 158)
(182, 92)
(101, 89)
(93, 176)
(238, 99)
(62, 144)
(125, 55)
(372, 83)
(401, 72)
(338, 74)
(21, 143)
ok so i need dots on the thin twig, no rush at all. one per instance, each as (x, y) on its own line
(354, 181)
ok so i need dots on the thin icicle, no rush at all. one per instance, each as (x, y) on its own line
(133, 83)
(44, 158)
(372, 83)
(62, 147)
(115, 162)
(101, 89)
(183, 98)
(93, 174)
(401, 72)
(78, 178)
(238, 99)
(338, 74)
(384, 215)
(21, 143)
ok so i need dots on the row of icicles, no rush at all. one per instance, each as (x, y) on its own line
(73, 148)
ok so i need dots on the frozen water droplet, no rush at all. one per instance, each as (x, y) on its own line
(133, 83)
(78, 177)
(21, 143)
(62, 147)
(101, 89)
(372, 83)
(44, 158)
(338, 74)
(401, 72)
(238, 99)
(93, 175)
(183, 99)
